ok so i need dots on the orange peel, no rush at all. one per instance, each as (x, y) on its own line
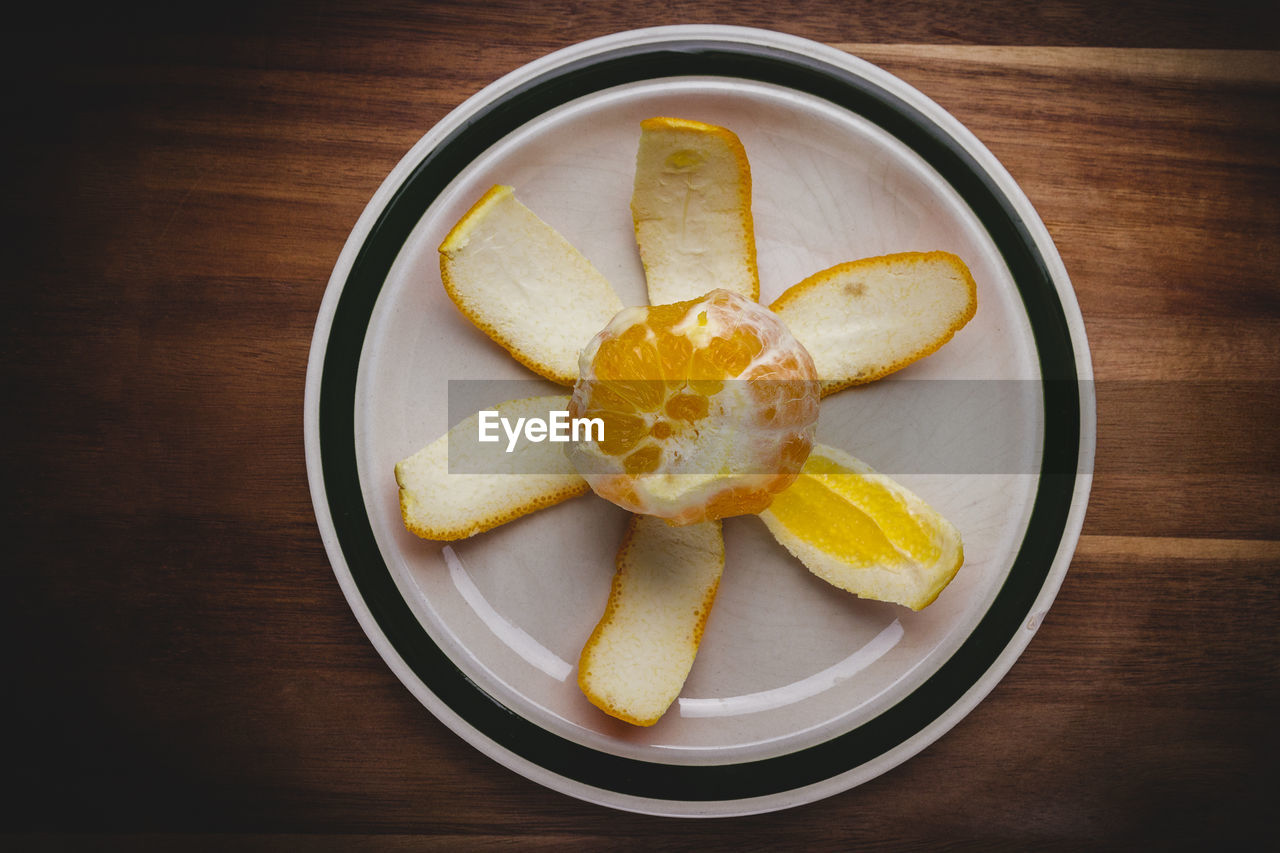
(637, 659)
(863, 532)
(443, 506)
(524, 285)
(691, 205)
(865, 319)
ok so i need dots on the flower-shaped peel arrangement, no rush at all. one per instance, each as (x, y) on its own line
(707, 403)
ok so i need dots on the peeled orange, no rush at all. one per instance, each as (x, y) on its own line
(708, 408)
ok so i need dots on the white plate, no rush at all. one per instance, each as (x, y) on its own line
(799, 690)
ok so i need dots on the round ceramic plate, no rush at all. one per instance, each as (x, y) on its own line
(799, 690)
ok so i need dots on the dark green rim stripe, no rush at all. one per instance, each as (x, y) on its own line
(753, 778)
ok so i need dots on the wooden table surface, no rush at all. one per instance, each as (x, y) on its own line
(185, 672)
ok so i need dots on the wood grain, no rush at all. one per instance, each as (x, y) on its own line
(186, 672)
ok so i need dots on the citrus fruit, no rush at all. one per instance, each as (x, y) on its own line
(691, 205)
(440, 505)
(865, 319)
(707, 408)
(640, 653)
(524, 285)
(863, 532)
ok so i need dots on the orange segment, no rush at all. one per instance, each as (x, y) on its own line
(643, 461)
(708, 408)
(637, 658)
(622, 431)
(524, 285)
(865, 319)
(863, 532)
(691, 206)
(688, 407)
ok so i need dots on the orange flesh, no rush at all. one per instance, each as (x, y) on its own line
(659, 386)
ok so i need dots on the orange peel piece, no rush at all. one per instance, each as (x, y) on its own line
(524, 285)
(863, 532)
(639, 655)
(439, 505)
(691, 205)
(865, 319)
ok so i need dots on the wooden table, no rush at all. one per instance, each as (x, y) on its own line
(182, 661)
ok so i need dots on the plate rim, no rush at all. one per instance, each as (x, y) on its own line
(780, 48)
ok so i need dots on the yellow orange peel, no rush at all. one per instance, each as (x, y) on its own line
(691, 206)
(637, 658)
